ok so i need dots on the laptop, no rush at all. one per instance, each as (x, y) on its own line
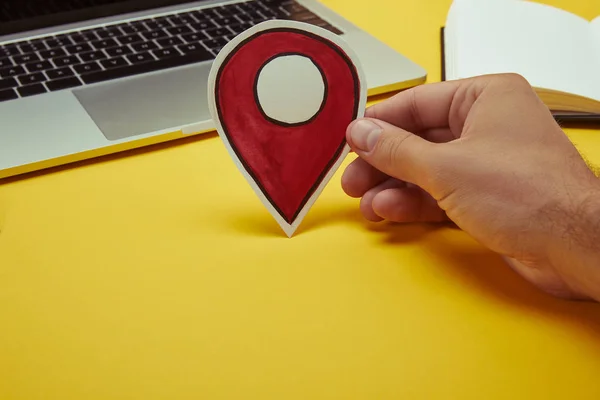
(85, 78)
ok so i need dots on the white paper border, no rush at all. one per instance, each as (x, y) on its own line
(289, 229)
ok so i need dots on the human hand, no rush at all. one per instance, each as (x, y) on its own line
(486, 154)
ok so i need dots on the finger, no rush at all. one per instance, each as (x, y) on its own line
(419, 108)
(393, 151)
(408, 204)
(359, 177)
(431, 105)
(366, 202)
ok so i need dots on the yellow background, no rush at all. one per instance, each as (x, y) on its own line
(160, 276)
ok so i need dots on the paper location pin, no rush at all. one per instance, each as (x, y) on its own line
(282, 95)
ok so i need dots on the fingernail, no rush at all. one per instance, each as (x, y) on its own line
(364, 135)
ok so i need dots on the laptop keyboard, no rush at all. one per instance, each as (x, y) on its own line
(9, 11)
(53, 63)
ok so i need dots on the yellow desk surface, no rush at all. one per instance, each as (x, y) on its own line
(159, 275)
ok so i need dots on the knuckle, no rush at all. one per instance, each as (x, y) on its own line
(513, 80)
(414, 111)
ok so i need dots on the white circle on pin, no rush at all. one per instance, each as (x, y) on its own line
(290, 89)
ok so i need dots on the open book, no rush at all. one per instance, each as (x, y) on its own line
(556, 51)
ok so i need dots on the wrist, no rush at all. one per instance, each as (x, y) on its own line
(574, 249)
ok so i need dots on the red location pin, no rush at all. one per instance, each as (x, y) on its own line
(282, 95)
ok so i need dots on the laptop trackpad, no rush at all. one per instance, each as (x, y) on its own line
(148, 103)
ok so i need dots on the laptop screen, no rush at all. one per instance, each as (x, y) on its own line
(24, 15)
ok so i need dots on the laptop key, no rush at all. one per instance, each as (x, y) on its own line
(114, 62)
(140, 58)
(228, 10)
(156, 24)
(32, 47)
(179, 30)
(64, 36)
(169, 41)
(64, 61)
(58, 42)
(270, 14)
(248, 6)
(129, 39)
(141, 68)
(181, 19)
(165, 53)
(164, 18)
(199, 16)
(227, 21)
(214, 43)
(10, 72)
(87, 68)
(26, 58)
(38, 42)
(92, 55)
(217, 32)
(31, 78)
(84, 37)
(145, 46)
(38, 66)
(153, 35)
(211, 13)
(53, 53)
(239, 28)
(104, 43)
(10, 50)
(108, 33)
(65, 83)
(185, 16)
(6, 62)
(194, 37)
(118, 51)
(9, 94)
(59, 73)
(79, 48)
(8, 83)
(282, 12)
(253, 16)
(191, 48)
(134, 27)
(201, 26)
(32, 90)
(279, 12)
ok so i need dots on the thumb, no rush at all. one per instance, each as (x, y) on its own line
(392, 150)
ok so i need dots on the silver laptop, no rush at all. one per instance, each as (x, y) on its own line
(85, 78)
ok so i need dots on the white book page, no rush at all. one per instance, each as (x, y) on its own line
(595, 27)
(595, 24)
(551, 48)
